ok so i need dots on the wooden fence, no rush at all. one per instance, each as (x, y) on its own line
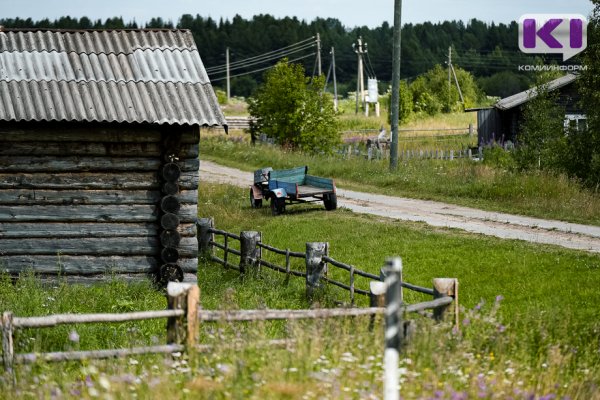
(316, 259)
(182, 326)
(184, 317)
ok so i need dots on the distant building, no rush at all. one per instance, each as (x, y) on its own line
(99, 134)
(501, 123)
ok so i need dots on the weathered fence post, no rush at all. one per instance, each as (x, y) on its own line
(251, 251)
(183, 296)
(204, 236)
(7, 341)
(315, 266)
(443, 287)
(394, 328)
(470, 130)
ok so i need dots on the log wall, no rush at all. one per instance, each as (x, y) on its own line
(85, 199)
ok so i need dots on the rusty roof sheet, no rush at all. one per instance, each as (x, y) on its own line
(105, 76)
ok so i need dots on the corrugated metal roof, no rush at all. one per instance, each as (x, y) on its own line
(517, 99)
(105, 76)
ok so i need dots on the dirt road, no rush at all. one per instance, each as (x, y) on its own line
(506, 226)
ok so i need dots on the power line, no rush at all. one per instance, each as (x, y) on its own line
(241, 64)
(263, 55)
(263, 69)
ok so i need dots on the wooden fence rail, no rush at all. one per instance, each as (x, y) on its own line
(317, 264)
(182, 328)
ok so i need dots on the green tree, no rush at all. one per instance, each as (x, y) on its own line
(584, 145)
(542, 139)
(293, 110)
(430, 91)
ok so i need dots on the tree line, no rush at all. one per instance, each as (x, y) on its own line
(488, 51)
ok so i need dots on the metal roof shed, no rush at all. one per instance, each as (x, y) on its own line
(99, 135)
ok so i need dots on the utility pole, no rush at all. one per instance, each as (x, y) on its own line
(360, 79)
(449, 76)
(396, 58)
(335, 98)
(227, 67)
(319, 54)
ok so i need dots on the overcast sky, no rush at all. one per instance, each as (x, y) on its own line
(351, 12)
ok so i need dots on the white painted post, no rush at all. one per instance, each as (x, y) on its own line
(394, 328)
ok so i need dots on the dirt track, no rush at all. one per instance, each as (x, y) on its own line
(507, 226)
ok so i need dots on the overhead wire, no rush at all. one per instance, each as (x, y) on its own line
(303, 43)
(262, 69)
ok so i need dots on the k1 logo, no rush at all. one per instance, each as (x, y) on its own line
(564, 34)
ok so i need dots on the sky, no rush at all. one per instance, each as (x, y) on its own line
(351, 13)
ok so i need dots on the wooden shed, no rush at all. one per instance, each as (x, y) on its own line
(99, 134)
(501, 123)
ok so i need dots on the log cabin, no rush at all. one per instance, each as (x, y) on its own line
(99, 134)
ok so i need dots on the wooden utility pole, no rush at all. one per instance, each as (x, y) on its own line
(396, 84)
(319, 54)
(335, 97)
(360, 79)
(227, 67)
(449, 76)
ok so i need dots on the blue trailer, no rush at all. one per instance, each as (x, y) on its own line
(290, 186)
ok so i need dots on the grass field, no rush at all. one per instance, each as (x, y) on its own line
(469, 183)
(529, 325)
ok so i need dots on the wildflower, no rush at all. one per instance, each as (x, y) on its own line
(499, 298)
(466, 321)
(74, 336)
(104, 383)
(501, 328)
(133, 361)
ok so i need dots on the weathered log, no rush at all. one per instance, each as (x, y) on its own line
(51, 321)
(92, 229)
(249, 250)
(49, 197)
(170, 273)
(171, 238)
(169, 221)
(315, 266)
(89, 265)
(30, 358)
(64, 149)
(88, 133)
(79, 164)
(171, 172)
(140, 246)
(169, 255)
(170, 188)
(170, 204)
(95, 213)
(93, 180)
(204, 236)
(7, 340)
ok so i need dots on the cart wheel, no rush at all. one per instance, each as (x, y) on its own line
(255, 203)
(330, 201)
(277, 206)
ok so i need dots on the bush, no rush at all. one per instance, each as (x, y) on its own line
(293, 110)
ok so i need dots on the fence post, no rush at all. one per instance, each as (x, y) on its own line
(315, 266)
(204, 236)
(443, 287)
(7, 341)
(183, 296)
(251, 251)
(394, 328)
(471, 130)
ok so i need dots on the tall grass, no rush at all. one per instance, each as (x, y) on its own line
(529, 324)
(462, 182)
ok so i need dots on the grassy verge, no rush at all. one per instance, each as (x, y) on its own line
(463, 182)
(520, 345)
